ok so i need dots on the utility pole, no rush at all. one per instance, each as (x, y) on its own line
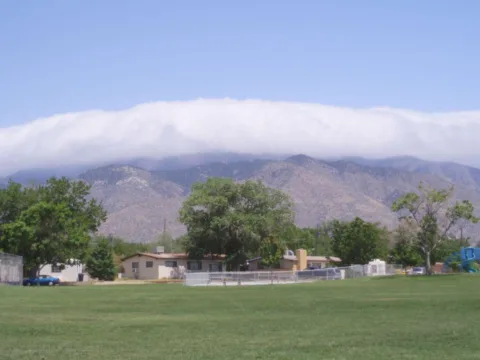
(165, 234)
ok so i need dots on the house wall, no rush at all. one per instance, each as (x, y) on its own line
(301, 259)
(165, 272)
(287, 264)
(319, 264)
(159, 270)
(142, 272)
(253, 266)
(69, 274)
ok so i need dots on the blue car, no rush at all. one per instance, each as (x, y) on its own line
(45, 280)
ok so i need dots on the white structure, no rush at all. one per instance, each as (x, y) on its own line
(376, 267)
(11, 269)
(69, 273)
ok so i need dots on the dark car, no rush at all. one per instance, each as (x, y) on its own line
(42, 280)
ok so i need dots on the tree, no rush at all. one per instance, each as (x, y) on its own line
(13, 200)
(405, 249)
(447, 247)
(358, 241)
(100, 263)
(123, 248)
(271, 251)
(170, 244)
(433, 217)
(224, 217)
(51, 224)
(316, 241)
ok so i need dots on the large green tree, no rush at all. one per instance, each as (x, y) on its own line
(224, 217)
(50, 224)
(434, 217)
(358, 241)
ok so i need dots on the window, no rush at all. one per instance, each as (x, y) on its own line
(194, 265)
(56, 269)
(135, 265)
(171, 263)
(215, 267)
(149, 264)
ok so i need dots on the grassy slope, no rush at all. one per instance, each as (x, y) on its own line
(400, 318)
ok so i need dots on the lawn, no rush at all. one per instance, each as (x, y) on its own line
(393, 318)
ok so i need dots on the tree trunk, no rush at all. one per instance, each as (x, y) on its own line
(34, 272)
(428, 265)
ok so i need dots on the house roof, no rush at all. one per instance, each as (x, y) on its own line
(314, 258)
(171, 256)
(309, 258)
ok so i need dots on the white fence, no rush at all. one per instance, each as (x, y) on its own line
(283, 277)
(11, 269)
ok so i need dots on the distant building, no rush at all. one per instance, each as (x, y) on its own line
(73, 272)
(297, 261)
(160, 265)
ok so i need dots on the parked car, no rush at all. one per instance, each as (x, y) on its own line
(45, 280)
(418, 271)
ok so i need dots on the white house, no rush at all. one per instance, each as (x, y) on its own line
(153, 266)
(75, 271)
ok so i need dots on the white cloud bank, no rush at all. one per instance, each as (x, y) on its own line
(253, 126)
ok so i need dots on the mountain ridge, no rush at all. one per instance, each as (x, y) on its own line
(139, 201)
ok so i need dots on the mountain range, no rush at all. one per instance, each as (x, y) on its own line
(142, 196)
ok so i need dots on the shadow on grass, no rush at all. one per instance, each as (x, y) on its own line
(433, 276)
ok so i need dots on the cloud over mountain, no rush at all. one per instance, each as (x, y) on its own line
(254, 126)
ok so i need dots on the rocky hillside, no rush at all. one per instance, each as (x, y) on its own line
(139, 201)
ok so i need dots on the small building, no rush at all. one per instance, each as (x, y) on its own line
(376, 267)
(297, 261)
(159, 265)
(438, 268)
(72, 272)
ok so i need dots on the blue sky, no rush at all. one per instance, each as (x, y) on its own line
(65, 56)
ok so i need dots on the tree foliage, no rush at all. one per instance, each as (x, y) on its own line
(405, 249)
(358, 241)
(447, 247)
(271, 251)
(100, 263)
(123, 248)
(48, 224)
(317, 241)
(433, 216)
(224, 217)
(170, 244)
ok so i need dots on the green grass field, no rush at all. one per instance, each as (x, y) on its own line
(393, 318)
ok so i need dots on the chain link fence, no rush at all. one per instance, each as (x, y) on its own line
(284, 277)
(11, 269)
